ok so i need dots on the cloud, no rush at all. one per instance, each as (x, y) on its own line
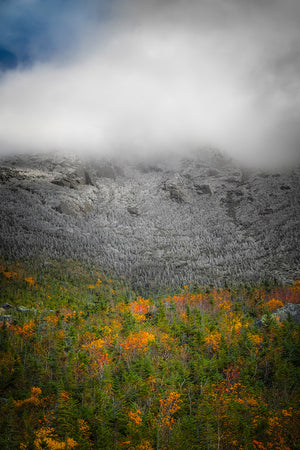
(151, 77)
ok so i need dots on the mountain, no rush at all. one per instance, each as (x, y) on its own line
(201, 219)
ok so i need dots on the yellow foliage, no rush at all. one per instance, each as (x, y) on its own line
(84, 428)
(256, 339)
(47, 436)
(34, 400)
(144, 445)
(213, 341)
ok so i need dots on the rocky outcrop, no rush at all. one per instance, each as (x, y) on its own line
(133, 210)
(75, 179)
(203, 189)
(289, 311)
(175, 188)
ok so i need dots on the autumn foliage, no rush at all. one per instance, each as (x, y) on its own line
(88, 364)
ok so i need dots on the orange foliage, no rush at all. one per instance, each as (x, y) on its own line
(135, 417)
(30, 281)
(51, 320)
(168, 407)
(140, 307)
(33, 400)
(25, 331)
(98, 356)
(274, 304)
(136, 342)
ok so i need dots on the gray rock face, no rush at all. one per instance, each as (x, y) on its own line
(203, 189)
(175, 188)
(133, 210)
(74, 180)
(289, 311)
(158, 223)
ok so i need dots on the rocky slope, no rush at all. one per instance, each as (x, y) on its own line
(200, 219)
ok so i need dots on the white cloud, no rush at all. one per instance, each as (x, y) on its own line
(150, 83)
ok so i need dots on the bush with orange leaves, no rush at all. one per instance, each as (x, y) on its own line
(135, 343)
(140, 307)
(274, 304)
(30, 281)
(33, 400)
(135, 417)
(26, 330)
(167, 408)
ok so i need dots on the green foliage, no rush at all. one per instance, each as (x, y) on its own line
(90, 365)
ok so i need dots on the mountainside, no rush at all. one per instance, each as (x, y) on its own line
(162, 223)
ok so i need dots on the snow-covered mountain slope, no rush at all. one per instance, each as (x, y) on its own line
(159, 223)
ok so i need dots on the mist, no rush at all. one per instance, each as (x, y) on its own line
(138, 78)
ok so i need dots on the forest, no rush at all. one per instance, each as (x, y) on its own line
(88, 363)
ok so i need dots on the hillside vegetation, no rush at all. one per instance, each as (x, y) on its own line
(87, 363)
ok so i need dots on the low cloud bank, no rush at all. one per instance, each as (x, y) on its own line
(151, 79)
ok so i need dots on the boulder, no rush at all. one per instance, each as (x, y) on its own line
(133, 210)
(290, 310)
(6, 318)
(71, 181)
(175, 190)
(203, 189)
(6, 306)
(23, 309)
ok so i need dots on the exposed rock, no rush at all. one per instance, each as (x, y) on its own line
(65, 208)
(203, 189)
(88, 178)
(133, 210)
(266, 211)
(6, 318)
(71, 181)
(6, 306)
(213, 172)
(23, 309)
(290, 310)
(7, 173)
(175, 189)
(75, 179)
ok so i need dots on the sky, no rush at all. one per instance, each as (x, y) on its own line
(146, 77)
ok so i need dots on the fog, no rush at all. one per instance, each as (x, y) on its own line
(140, 78)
